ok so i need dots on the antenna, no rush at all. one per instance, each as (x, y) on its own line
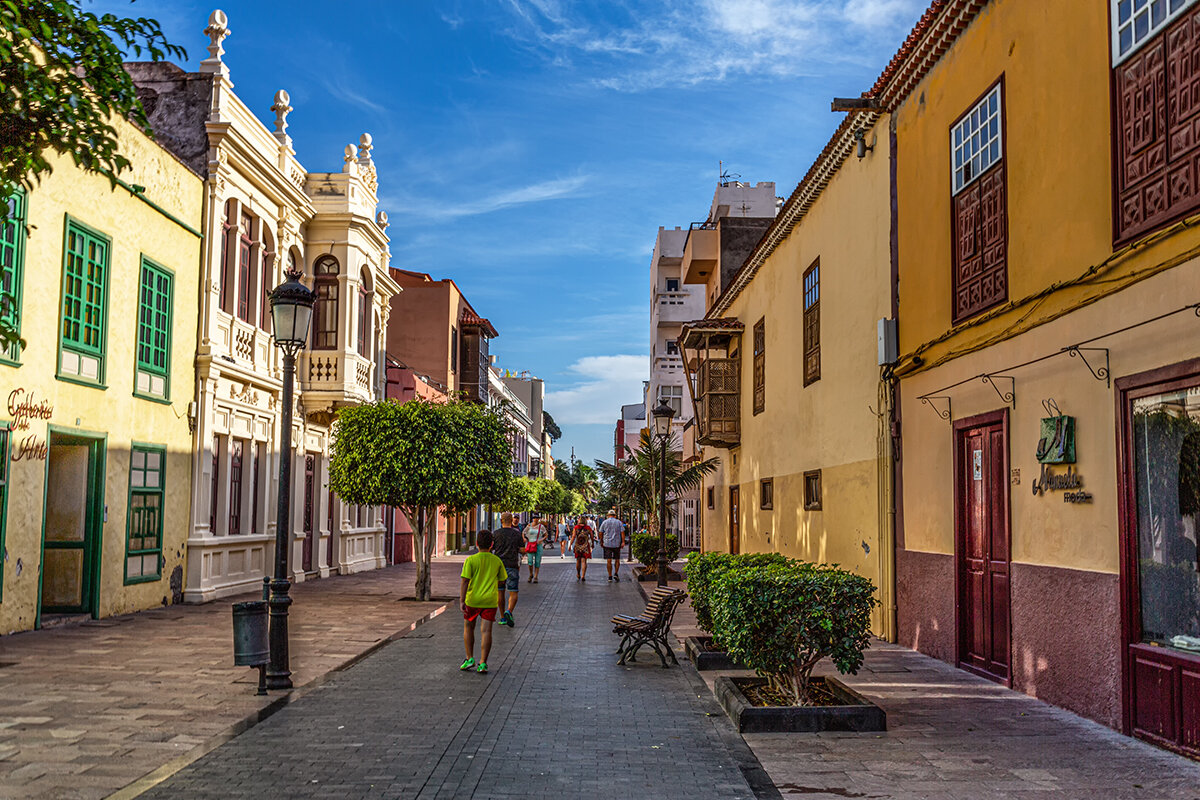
(725, 178)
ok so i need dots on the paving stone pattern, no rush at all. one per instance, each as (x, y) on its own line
(88, 709)
(555, 718)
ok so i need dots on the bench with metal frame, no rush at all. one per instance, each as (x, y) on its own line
(650, 627)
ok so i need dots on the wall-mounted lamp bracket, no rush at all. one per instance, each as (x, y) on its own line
(1098, 372)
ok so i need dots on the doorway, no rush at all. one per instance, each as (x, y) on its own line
(983, 552)
(735, 533)
(310, 477)
(72, 525)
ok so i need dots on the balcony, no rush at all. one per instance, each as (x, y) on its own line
(668, 363)
(334, 377)
(717, 418)
(702, 252)
(676, 307)
(246, 344)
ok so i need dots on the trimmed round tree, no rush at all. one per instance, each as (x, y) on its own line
(418, 456)
(518, 496)
(782, 619)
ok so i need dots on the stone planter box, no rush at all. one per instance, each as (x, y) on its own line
(859, 714)
(652, 574)
(703, 658)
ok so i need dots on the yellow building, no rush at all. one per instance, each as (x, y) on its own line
(95, 445)
(1047, 193)
(784, 376)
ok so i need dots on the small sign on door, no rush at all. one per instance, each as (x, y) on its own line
(977, 462)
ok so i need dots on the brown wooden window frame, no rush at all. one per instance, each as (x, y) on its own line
(712, 500)
(236, 453)
(325, 310)
(453, 350)
(979, 259)
(812, 490)
(766, 494)
(760, 365)
(364, 317)
(245, 271)
(1155, 175)
(812, 322)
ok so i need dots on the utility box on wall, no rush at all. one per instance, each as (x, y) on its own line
(889, 345)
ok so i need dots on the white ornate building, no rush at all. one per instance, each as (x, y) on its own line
(265, 213)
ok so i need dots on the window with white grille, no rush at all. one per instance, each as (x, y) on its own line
(672, 396)
(1134, 22)
(976, 140)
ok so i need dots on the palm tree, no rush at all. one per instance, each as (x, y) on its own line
(634, 479)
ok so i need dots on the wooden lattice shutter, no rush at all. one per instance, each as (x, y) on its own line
(812, 323)
(981, 244)
(760, 358)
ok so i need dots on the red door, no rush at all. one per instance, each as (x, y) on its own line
(983, 547)
(310, 470)
(735, 534)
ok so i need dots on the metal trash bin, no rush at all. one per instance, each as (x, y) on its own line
(250, 646)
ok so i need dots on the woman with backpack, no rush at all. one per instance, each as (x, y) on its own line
(581, 545)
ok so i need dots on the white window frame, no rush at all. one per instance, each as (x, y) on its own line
(672, 396)
(1135, 17)
(977, 140)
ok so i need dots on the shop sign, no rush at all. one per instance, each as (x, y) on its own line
(1069, 482)
(1057, 446)
(23, 407)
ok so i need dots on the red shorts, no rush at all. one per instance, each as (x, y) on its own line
(582, 555)
(471, 614)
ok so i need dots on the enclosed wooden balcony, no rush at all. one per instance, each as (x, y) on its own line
(712, 357)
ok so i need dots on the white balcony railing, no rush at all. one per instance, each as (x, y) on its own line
(337, 372)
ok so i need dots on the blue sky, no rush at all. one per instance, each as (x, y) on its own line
(530, 149)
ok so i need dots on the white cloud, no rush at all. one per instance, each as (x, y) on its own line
(605, 384)
(678, 43)
(555, 189)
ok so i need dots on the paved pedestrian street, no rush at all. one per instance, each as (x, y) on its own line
(555, 718)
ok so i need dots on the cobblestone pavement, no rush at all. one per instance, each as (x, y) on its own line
(88, 709)
(953, 736)
(555, 718)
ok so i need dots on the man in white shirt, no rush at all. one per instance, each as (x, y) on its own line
(612, 539)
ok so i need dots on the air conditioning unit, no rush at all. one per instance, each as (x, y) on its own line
(889, 345)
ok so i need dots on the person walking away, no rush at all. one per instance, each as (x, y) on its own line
(612, 539)
(507, 547)
(564, 533)
(478, 596)
(534, 536)
(581, 546)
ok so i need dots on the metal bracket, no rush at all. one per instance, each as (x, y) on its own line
(1098, 372)
(1009, 397)
(928, 400)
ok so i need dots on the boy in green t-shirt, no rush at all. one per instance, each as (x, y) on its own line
(482, 574)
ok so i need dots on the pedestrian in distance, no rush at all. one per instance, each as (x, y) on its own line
(612, 539)
(508, 546)
(581, 546)
(534, 536)
(564, 533)
(478, 596)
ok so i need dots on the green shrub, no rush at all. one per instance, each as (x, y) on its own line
(782, 619)
(704, 568)
(645, 548)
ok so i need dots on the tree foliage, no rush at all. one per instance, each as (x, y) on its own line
(551, 426)
(550, 496)
(703, 570)
(518, 497)
(418, 456)
(578, 477)
(634, 480)
(782, 619)
(62, 83)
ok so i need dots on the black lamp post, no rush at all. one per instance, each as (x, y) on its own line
(291, 313)
(662, 414)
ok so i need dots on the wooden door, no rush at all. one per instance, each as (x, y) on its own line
(72, 525)
(735, 534)
(310, 475)
(983, 548)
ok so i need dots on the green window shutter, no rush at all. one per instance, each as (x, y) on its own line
(143, 543)
(12, 270)
(84, 309)
(155, 299)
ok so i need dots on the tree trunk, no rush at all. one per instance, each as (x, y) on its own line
(427, 557)
(422, 553)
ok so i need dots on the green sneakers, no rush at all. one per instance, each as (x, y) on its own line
(482, 668)
(470, 662)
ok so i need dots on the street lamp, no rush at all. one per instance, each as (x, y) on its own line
(291, 313)
(662, 415)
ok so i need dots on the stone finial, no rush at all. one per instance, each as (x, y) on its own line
(217, 30)
(281, 108)
(381, 219)
(351, 154)
(364, 149)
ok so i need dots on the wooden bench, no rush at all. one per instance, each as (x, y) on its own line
(650, 627)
